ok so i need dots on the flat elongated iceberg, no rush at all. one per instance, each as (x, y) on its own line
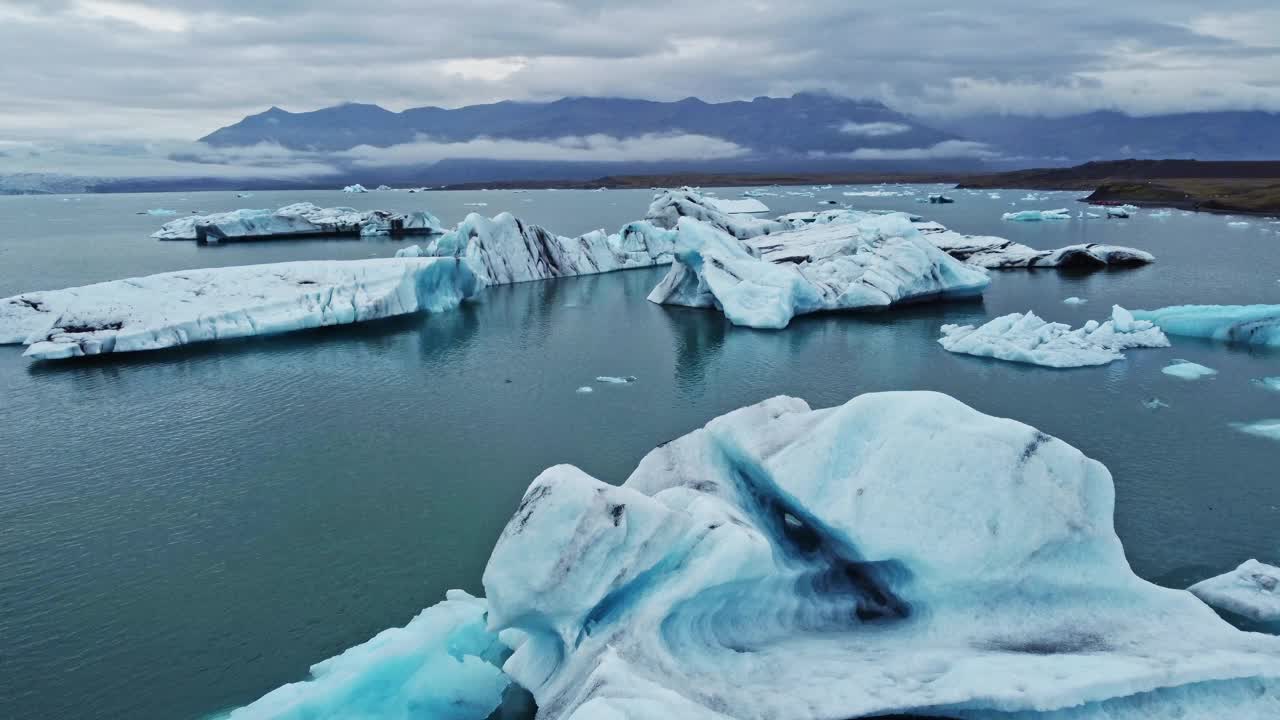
(873, 263)
(745, 206)
(1187, 370)
(297, 220)
(1026, 338)
(902, 553)
(188, 306)
(1250, 324)
(1251, 590)
(998, 253)
(443, 665)
(1038, 215)
(505, 249)
(669, 206)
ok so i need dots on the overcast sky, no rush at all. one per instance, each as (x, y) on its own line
(114, 69)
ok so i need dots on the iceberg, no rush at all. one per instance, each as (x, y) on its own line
(1187, 370)
(1026, 338)
(614, 380)
(1269, 429)
(1074, 301)
(504, 249)
(357, 188)
(997, 253)
(189, 306)
(585, 389)
(1037, 215)
(1268, 383)
(901, 553)
(443, 665)
(161, 212)
(384, 188)
(746, 206)
(294, 221)
(1251, 590)
(1118, 212)
(669, 206)
(875, 262)
(1248, 324)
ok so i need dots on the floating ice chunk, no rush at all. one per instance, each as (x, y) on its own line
(476, 204)
(244, 195)
(901, 553)
(669, 206)
(384, 188)
(873, 263)
(874, 193)
(1074, 301)
(1038, 215)
(1187, 370)
(357, 188)
(504, 249)
(160, 212)
(1251, 590)
(585, 389)
(189, 306)
(998, 253)
(1268, 383)
(1026, 338)
(1250, 324)
(412, 251)
(1160, 214)
(738, 207)
(1154, 404)
(444, 664)
(613, 380)
(1118, 212)
(940, 199)
(1262, 428)
(1238, 224)
(994, 196)
(297, 220)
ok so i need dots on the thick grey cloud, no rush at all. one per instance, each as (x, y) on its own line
(99, 69)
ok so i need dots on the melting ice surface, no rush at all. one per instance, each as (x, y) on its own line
(1250, 324)
(763, 282)
(1251, 590)
(188, 306)
(899, 553)
(1187, 370)
(1026, 338)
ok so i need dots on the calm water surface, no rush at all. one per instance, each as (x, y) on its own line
(182, 531)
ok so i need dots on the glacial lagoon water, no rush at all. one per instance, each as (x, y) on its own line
(183, 531)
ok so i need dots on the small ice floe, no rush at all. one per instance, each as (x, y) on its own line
(1073, 300)
(384, 188)
(585, 389)
(940, 199)
(244, 195)
(1251, 590)
(1187, 370)
(615, 380)
(1268, 383)
(1269, 429)
(1092, 215)
(1118, 212)
(1037, 215)
(1154, 403)
(1026, 338)
(873, 193)
(1238, 224)
(1246, 324)
(476, 204)
(827, 202)
(357, 188)
(994, 196)
(160, 212)
(1161, 214)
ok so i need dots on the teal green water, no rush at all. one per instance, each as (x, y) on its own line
(183, 531)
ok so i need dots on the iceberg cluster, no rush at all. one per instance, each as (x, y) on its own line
(1249, 324)
(297, 220)
(875, 262)
(1251, 590)
(504, 249)
(189, 306)
(1038, 215)
(1026, 338)
(998, 253)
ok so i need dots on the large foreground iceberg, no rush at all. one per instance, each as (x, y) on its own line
(1026, 338)
(999, 253)
(188, 306)
(294, 221)
(1251, 590)
(901, 553)
(1251, 324)
(763, 282)
(505, 249)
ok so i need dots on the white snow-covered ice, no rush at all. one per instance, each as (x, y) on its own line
(763, 282)
(1026, 338)
(1249, 324)
(505, 249)
(1251, 590)
(297, 220)
(1187, 370)
(745, 206)
(1038, 215)
(1073, 300)
(189, 306)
